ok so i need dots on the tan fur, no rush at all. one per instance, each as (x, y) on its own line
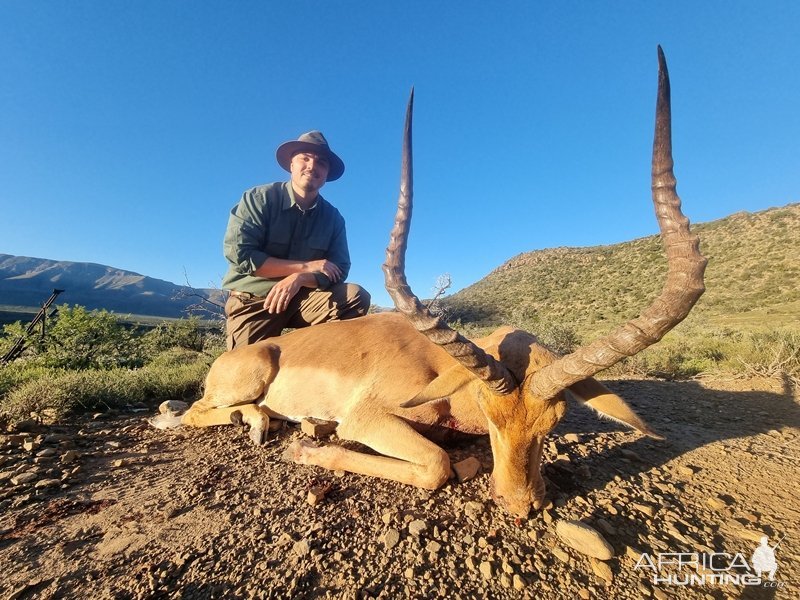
(391, 389)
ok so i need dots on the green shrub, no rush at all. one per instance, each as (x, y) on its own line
(59, 393)
(21, 372)
(768, 354)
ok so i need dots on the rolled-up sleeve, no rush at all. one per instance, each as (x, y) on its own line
(243, 245)
(337, 252)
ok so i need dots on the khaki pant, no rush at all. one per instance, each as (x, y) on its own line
(249, 322)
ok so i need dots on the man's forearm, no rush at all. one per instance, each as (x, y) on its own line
(281, 267)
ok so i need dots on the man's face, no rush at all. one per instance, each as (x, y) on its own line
(309, 171)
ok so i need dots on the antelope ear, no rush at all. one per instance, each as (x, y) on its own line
(447, 383)
(607, 403)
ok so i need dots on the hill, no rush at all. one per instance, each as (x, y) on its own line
(28, 282)
(751, 279)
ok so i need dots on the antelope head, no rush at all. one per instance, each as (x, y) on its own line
(519, 385)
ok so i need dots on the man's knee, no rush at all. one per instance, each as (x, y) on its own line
(360, 298)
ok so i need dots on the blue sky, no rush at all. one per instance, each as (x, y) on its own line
(129, 129)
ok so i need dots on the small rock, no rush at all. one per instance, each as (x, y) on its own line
(118, 463)
(716, 503)
(473, 509)
(433, 547)
(317, 428)
(45, 453)
(518, 583)
(23, 478)
(28, 426)
(584, 594)
(602, 570)
(43, 483)
(301, 548)
(561, 555)
(633, 553)
(467, 469)
(630, 455)
(391, 538)
(688, 470)
(646, 509)
(573, 438)
(316, 494)
(754, 535)
(606, 527)
(416, 527)
(584, 539)
(535, 535)
(487, 570)
(30, 445)
(68, 457)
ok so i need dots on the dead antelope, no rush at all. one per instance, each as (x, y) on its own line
(393, 380)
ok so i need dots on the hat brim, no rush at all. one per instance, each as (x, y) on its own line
(287, 150)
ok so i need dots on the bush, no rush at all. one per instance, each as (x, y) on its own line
(57, 394)
(80, 339)
(19, 373)
(772, 354)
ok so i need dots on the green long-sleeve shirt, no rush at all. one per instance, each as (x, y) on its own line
(268, 222)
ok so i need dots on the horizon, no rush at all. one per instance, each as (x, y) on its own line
(131, 123)
(425, 297)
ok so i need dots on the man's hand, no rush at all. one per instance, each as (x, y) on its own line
(327, 268)
(281, 294)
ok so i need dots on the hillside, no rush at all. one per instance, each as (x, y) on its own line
(27, 282)
(752, 277)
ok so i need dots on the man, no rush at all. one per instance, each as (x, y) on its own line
(287, 250)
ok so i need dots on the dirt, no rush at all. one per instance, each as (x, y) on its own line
(127, 511)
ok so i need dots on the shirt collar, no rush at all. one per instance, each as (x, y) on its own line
(289, 201)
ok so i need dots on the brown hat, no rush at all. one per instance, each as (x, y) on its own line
(313, 142)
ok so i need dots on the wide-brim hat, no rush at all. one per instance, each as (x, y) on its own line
(313, 142)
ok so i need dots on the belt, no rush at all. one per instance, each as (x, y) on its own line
(246, 295)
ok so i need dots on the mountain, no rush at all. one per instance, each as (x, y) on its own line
(28, 282)
(752, 278)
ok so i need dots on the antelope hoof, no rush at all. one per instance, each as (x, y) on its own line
(258, 435)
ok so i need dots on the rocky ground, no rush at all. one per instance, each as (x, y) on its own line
(107, 507)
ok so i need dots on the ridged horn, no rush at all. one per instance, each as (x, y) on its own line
(482, 365)
(684, 284)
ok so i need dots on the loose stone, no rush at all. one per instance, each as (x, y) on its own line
(584, 539)
(417, 527)
(467, 469)
(391, 538)
(602, 570)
